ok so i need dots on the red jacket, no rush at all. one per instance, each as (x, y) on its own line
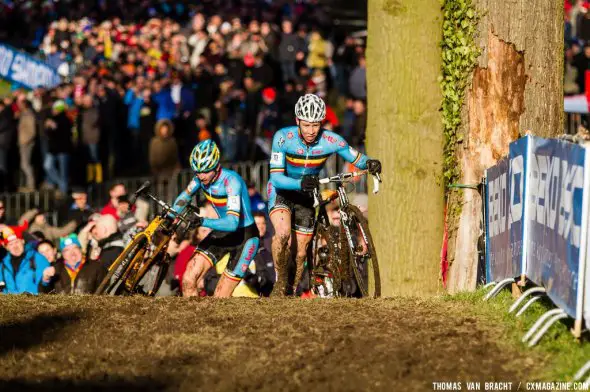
(110, 209)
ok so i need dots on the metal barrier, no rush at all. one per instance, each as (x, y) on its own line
(256, 173)
(572, 121)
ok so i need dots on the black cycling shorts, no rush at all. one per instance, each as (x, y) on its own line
(242, 246)
(299, 204)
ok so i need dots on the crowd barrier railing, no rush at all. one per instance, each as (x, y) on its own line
(256, 173)
(537, 206)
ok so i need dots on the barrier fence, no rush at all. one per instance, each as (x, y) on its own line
(537, 204)
(256, 173)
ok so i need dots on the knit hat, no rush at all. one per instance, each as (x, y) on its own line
(269, 93)
(59, 106)
(71, 239)
(11, 233)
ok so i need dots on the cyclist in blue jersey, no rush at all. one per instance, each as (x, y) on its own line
(298, 155)
(234, 231)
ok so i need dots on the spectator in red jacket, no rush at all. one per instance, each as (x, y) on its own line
(116, 190)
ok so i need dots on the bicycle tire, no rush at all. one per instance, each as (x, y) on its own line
(129, 253)
(160, 263)
(332, 264)
(357, 224)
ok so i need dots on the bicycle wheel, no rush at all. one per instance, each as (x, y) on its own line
(363, 256)
(150, 276)
(112, 280)
(325, 274)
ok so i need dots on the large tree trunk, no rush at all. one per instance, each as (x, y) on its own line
(517, 86)
(405, 132)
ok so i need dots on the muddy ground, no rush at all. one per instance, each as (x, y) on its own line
(102, 343)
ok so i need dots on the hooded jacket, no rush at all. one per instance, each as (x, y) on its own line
(29, 275)
(163, 151)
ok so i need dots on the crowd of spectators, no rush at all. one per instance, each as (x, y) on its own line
(577, 45)
(73, 257)
(144, 81)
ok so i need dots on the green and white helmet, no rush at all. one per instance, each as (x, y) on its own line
(205, 156)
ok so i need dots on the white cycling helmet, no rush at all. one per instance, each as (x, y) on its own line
(310, 108)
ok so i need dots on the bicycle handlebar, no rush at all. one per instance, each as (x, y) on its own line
(340, 178)
(165, 206)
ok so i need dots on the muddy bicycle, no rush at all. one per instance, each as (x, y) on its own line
(143, 264)
(343, 256)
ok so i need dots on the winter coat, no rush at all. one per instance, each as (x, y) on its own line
(60, 138)
(111, 247)
(358, 83)
(290, 45)
(90, 122)
(127, 222)
(317, 54)
(163, 152)
(29, 275)
(7, 127)
(51, 233)
(87, 281)
(26, 127)
(80, 216)
(134, 103)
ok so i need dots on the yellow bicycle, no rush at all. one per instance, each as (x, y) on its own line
(143, 264)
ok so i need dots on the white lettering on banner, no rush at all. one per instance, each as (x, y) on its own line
(572, 178)
(553, 182)
(497, 202)
(516, 168)
(6, 56)
(30, 73)
(545, 189)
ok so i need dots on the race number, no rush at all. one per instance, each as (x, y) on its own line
(233, 203)
(276, 158)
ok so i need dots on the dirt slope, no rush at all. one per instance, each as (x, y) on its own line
(250, 345)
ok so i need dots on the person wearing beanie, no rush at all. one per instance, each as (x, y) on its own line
(23, 269)
(73, 274)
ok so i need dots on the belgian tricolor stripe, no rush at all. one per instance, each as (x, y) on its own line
(277, 170)
(303, 233)
(233, 213)
(358, 158)
(234, 278)
(206, 256)
(301, 161)
(217, 201)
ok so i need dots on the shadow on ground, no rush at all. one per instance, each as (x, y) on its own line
(23, 334)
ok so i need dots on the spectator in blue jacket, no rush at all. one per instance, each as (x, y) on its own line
(23, 269)
(134, 101)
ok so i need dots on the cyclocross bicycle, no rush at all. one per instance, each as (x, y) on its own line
(142, 266)
(338, 254)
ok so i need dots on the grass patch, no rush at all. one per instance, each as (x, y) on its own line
(4, 88)
(561, 354)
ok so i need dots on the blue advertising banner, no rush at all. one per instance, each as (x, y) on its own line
(25, 70)
(499, 259)
(554, 215)
(518, 185)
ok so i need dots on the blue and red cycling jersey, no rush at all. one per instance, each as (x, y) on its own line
(228, 194)
(292, 158)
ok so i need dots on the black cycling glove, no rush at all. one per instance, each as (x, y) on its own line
(309, 183)
(374, 166)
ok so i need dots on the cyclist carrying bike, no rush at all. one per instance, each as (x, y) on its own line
(298, 155)
(234, 232)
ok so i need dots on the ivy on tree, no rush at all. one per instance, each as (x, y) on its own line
(459, 56)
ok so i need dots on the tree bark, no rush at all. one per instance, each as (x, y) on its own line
(516, 87)
(404, 131)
